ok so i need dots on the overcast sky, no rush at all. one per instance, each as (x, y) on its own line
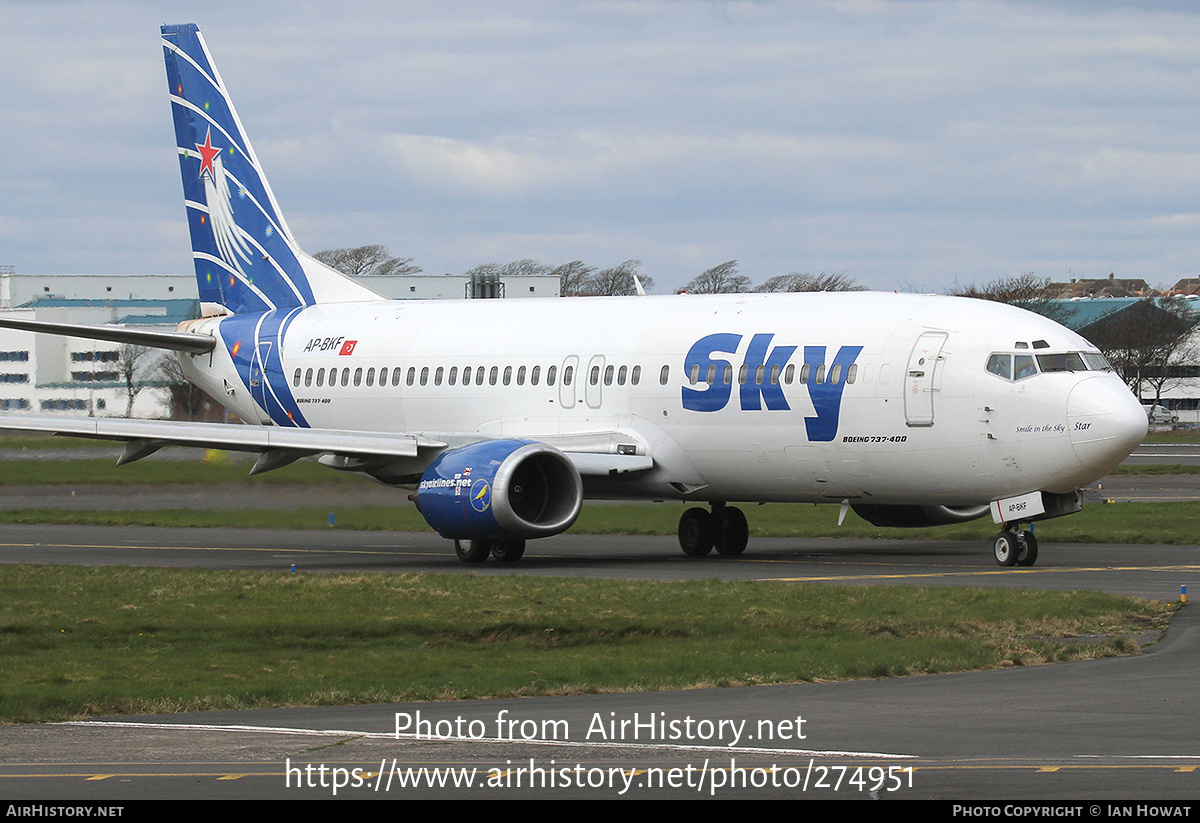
(910, 144)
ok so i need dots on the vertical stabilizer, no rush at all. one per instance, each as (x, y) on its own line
(246, 259)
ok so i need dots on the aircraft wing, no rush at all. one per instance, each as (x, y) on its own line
(278, 446)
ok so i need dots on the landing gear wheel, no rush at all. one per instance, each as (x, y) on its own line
(732, 532)
(473, 551)
(1006, 548)
(696, 532)
(1028, 554)
(508, 551)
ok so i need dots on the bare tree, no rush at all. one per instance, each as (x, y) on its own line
(720, 279)
(574, 278)
(803, 281)
(618, 280)
(134, 366)
(367, 261)
(1142, 341)
(1026, 291)
(187, 401)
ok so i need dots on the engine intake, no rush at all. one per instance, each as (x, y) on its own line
(502, 489)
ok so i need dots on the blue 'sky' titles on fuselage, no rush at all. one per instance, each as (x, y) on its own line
(826, 396)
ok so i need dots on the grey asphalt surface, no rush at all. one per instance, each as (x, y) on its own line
(1121, 728)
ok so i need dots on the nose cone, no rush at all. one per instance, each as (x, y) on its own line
(1106, 422)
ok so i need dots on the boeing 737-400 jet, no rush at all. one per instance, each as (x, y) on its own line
(502, 416)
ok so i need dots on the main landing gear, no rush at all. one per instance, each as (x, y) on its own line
(477, 551)
(724, 529)
(1016, 548)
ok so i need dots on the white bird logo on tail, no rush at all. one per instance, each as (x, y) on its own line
(230, 243)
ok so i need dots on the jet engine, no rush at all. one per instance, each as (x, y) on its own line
(500, 489)
(915, 516)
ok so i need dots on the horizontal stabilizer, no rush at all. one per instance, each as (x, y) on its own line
(152, 338)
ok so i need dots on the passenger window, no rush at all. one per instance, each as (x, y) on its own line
(534, 374)
(759, 373)
(383, 376)
(396, 377)
(346, 376)
(789, 374)
(521, 376)
(621, 375)
(453, 379)
(296, 378)
(851, 372)
(835, 374)
(608, 376)
(805, 373)
(508, 375)
(437, 376)
(493, 375)
(595, 378)
(358, 376)
(424, 376)
(550, 374)
(664, 375)
(371, 377)
(820, 374)
(308, 378)
(479, 376)
(712, 375)
(694, 374)
(412, 375)
(743, 373)
(636, 375)
(568, 373)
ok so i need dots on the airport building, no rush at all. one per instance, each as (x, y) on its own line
(1175, 383)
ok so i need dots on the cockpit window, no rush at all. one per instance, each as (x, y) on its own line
(1024, 366)
(1009, 366)
(1000, 365)
(1096, 361)
(1061, 362)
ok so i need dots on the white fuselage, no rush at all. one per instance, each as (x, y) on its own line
(912, 414)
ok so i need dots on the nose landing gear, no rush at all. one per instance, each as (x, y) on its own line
(1016, 548)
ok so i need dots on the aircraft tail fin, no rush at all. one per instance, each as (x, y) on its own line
(245, 256)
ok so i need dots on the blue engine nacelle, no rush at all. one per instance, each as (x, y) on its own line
(500, 489)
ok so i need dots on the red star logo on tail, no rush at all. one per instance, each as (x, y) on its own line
(208, 153)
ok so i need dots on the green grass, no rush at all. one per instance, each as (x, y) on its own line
(1158, 523)
(1156, 469)
(78, 641)
(105, 472)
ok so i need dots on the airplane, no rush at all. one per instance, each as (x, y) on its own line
(502, 416)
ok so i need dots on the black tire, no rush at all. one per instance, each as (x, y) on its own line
(508, 551)
(696, 532)
(1006, 548)
(732, 531)
(473, 551)
(1028, 553)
